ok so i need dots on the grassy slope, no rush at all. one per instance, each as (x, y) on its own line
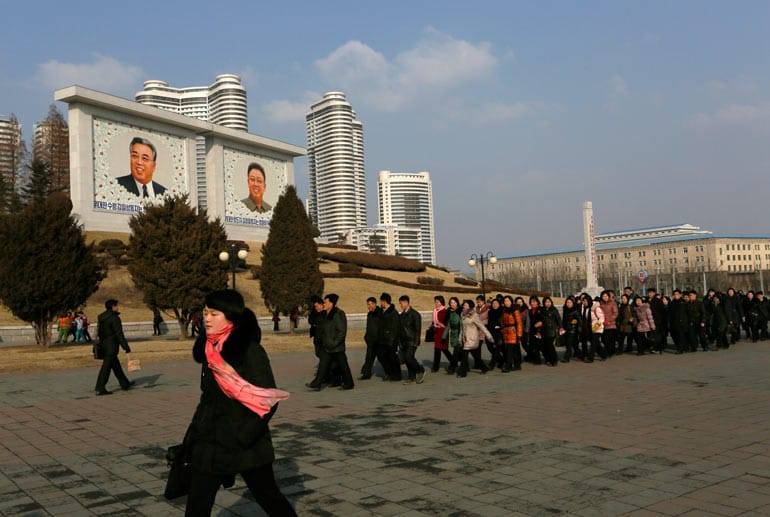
(353, 292)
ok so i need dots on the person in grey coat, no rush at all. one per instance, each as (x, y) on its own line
(334, 330)
(410, 337)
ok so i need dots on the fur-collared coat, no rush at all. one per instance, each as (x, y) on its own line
(227, 437)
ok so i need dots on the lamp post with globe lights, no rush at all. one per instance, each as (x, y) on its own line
(232, 257)
(481, 258)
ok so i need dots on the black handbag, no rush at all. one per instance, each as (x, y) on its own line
(97, 350)
(180, 468)
(430, 334)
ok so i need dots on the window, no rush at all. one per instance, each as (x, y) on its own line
(684, 249)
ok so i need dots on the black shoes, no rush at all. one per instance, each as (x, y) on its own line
(102, 392)
(312, 387)
(131, 384)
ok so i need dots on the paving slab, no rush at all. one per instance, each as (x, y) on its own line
(653, 435)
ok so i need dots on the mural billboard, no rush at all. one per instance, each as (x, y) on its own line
(135, 166)
(253, 184)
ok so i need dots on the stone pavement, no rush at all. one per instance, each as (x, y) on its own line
(654, 435)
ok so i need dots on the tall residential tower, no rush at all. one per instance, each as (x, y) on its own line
(335, 161)
(406, 201)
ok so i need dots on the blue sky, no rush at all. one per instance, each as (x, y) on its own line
(658, 112)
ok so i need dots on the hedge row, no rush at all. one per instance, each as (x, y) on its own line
(347, 267)
(465, 281)
(445, 289)
(374, 261)
(430, 280)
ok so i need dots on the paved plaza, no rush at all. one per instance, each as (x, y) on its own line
(654, 435)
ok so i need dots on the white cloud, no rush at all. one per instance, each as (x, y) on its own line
(496, 113)
(104, 73)
(733, 115)
(617, 90)
(437, 63)
(739, 86)
(285, 111)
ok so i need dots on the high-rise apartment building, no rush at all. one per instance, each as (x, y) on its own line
(406, 201)
(223, 103)
(11, 152)
(335, 159)
(51, 145)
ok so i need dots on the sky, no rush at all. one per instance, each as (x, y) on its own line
(656, 111)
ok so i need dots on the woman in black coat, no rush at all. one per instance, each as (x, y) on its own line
(227, 437)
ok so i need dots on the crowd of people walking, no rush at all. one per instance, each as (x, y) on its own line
(515, 331)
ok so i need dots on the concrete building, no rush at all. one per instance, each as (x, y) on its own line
(11, 149)
(223, 102)
(388, 239)
(103, 190)
(406, 201)
(51, 145)
(335, 159)
(679, 256)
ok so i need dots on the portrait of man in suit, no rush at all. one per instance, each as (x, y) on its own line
(256, 180)
(143, 158)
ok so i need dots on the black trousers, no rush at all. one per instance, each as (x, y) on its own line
(496, 351)
(609, 339)
(626, 341)
(388, 357)
(413, 366)
(110, 363)
(548, 347)
(437, 358)
(595, 347)
(260, 480)
(325, 364)
(571, 345)
(512, 356)
(371, 354)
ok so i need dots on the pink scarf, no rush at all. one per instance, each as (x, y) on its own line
(258, 400)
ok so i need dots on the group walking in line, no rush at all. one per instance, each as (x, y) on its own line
(515, 331)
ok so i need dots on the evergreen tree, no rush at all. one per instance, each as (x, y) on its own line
(290, 273)
(39, 181)
(175, 257)
(46, 266)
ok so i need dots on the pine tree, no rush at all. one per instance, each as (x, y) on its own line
(39, 181)
(175, 257)
(46, 266)
(290, 273)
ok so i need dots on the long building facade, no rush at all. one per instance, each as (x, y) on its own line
(336, 200)
(669, 257)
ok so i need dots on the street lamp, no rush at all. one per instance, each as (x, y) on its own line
(481, 258)
(232, 257)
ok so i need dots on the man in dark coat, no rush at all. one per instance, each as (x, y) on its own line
(679, 323)
(696, 315)
(410, 337)
(659, 316)
(335, 328)
(734, 310)
(760, 316)
(388, 340)
(370, 337)
(110, 338)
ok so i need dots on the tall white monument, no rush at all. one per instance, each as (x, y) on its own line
(589, 241)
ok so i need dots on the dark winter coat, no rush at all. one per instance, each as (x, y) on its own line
(390, 326)
(373, 321)
(411, 327)
(733, 308)
(335, 329)
(111, 333)
(571, 320)
(719, 319)
(659, 315)
(679, 320)
(493, 324)
(551, 322)
(626, 318)
(227, 437)
(696, 313)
